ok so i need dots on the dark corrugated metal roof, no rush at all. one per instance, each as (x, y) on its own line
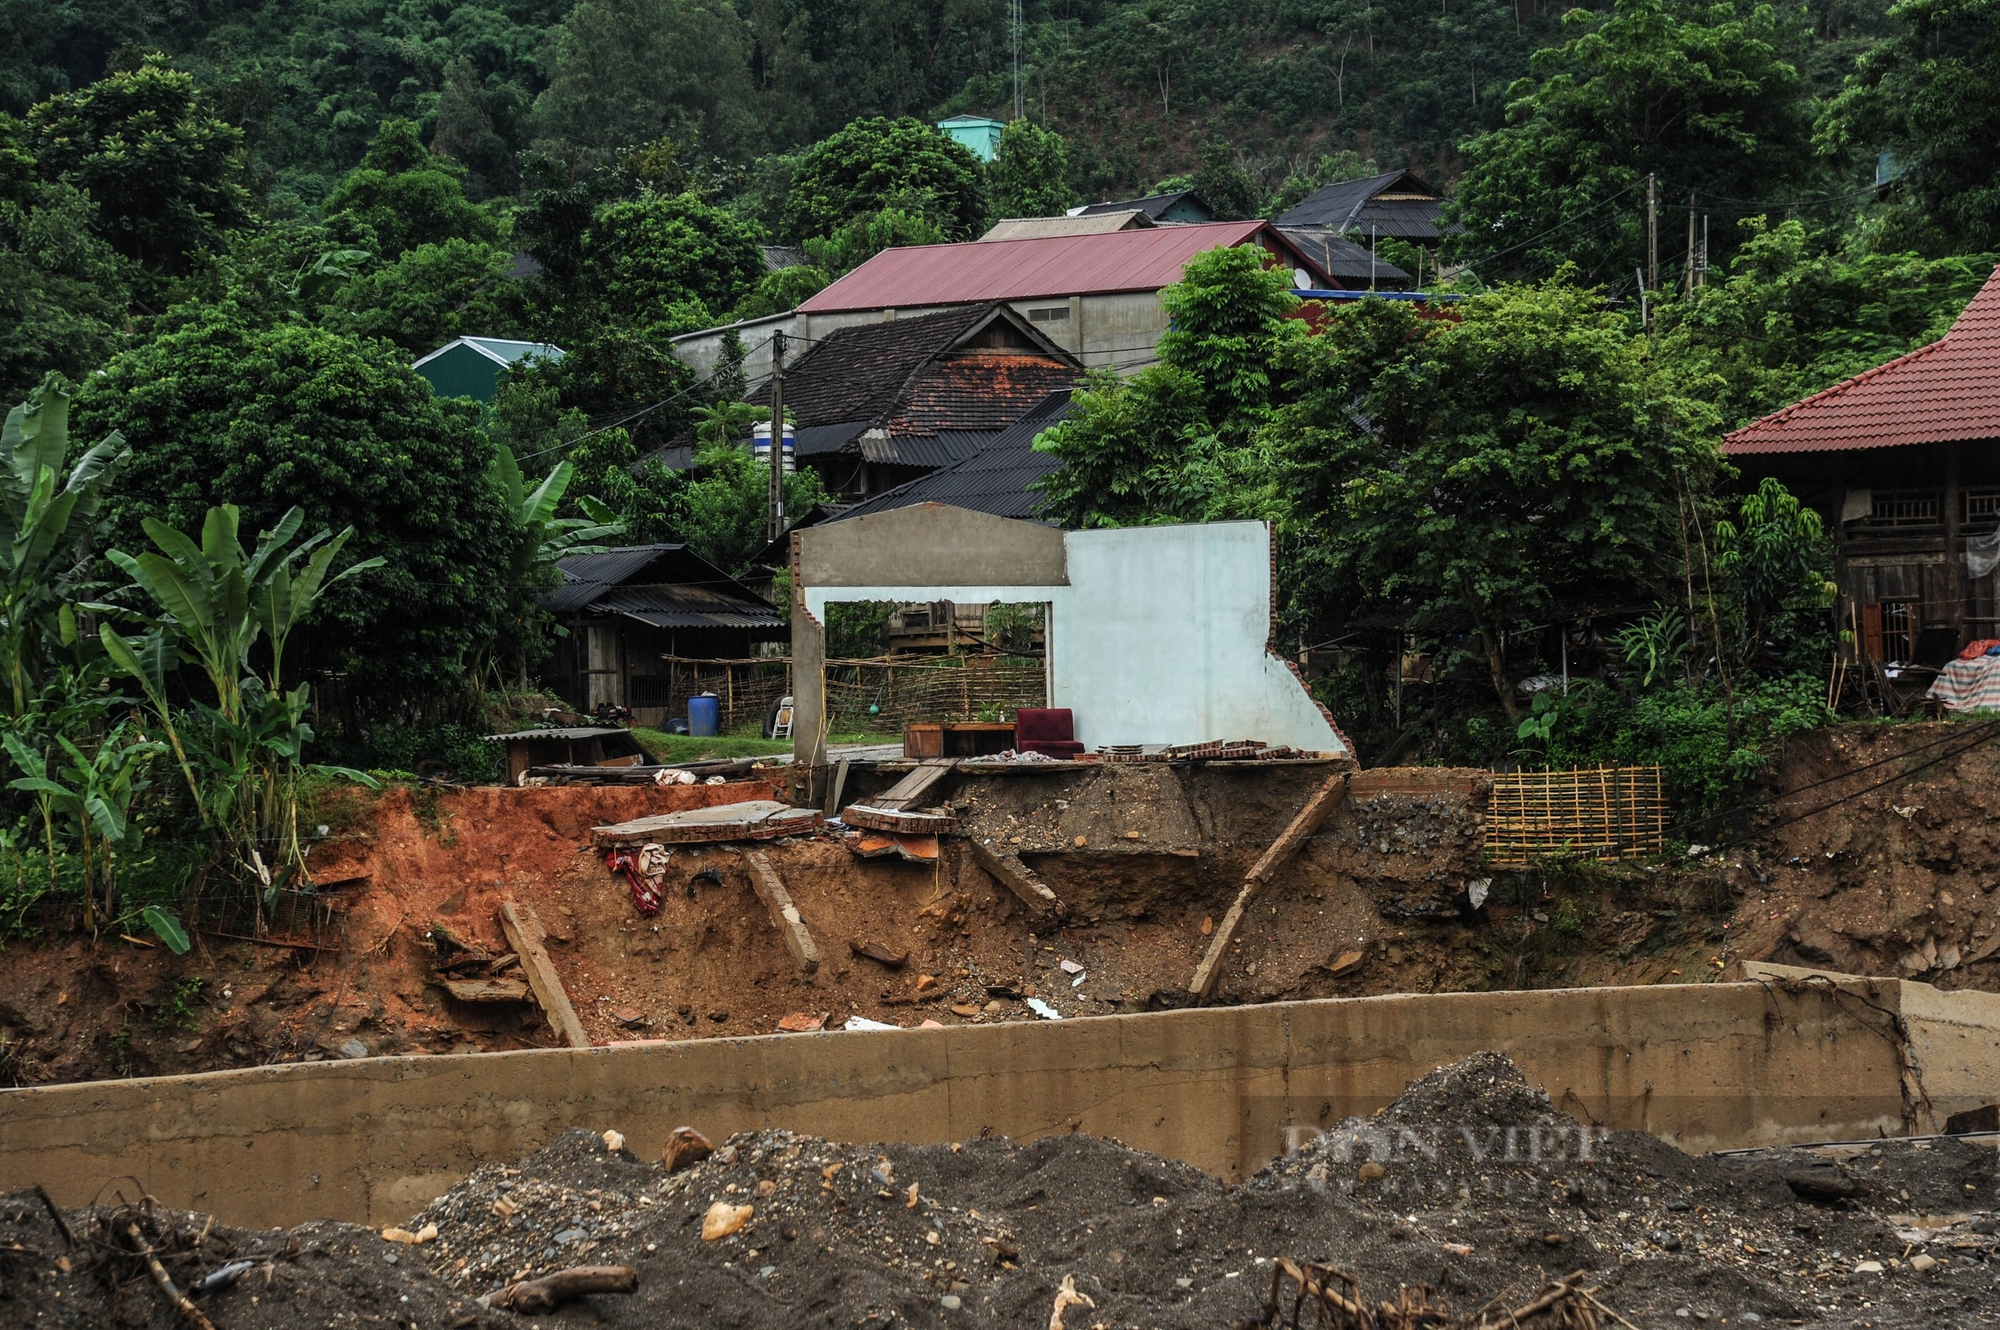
(1153, 205)
(593, 581)
(1345, 259)
(995, 479)
(1353, 207)
(939, 449)
(674, 606)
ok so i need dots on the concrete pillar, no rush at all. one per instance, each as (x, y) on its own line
(808, 676)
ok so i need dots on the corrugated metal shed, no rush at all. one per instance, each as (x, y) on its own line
(669, 586)
(672, 606)
(1945, 392)
(1083, 224)
(1352, 207)
(1140, 260)
(1345, 259)
(1181, 205)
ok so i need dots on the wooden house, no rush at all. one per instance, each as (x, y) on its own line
(627, 611)
(1903, 463)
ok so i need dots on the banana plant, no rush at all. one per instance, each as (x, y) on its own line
(44, 519)
(93, 792)
(545, 537)
(213, 602)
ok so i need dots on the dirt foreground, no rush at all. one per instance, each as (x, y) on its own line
(1440, 1190)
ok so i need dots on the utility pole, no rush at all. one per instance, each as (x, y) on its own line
(775, 526)
(1653, 231)
(1689, 275)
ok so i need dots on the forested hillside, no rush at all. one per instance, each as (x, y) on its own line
(1138, 86)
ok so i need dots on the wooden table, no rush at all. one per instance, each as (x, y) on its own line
(956, 739)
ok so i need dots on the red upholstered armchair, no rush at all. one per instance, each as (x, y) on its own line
(1047, 730)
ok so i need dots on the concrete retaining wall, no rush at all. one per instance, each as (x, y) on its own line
(1703, 1066)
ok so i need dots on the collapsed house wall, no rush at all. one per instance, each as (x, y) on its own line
(1157, 635)
(1705, 1067)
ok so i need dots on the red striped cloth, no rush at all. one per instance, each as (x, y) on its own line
(1969, 685)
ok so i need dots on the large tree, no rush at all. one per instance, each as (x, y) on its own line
(1703, 99)
(1172, 442)
(1930, 96)
(165, 171)
(401, 196)
(1031, 172)
(221, 411)
(880, 163)
(671, 262)
(624, 72)
(1479, 473)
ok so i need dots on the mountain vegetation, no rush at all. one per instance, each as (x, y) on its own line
(247, 533)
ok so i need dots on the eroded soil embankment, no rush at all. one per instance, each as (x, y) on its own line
(1896, 881)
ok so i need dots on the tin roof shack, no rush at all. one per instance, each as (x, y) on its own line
(1396, 204)
(578, 747)
(1903, 464)
(1156, 635)
(1096, 296)
(1182, 206)
(472, 366)
(628, 609)
(878, 405)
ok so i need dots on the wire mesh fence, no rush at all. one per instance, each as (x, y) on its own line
(1603, 813)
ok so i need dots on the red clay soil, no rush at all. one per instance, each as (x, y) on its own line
(1895, 881)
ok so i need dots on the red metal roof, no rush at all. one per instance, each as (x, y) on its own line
(1946, 391)
(1138, 260)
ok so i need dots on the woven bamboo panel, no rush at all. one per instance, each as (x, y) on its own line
(1602, 813)
(866, 695)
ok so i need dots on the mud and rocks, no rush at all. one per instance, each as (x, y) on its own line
(1898, 881)
(1471, 1185)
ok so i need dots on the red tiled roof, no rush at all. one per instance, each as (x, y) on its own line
(1139, 260)
(978, 390)
(1946, 391)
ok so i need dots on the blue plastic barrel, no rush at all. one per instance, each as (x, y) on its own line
(704, 714)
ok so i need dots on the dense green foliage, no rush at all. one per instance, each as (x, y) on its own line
(877, 164)
(1704, 100)
(267, 418)
(1031, 172)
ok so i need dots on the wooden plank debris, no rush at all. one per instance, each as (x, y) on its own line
(791, 926)
(1329, 796)
(487, 990)
(525, 936)
(1007, 868)
(910, 790)
(756, 819)
(899, 820)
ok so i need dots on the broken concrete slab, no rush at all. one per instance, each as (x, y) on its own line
(770, 889)
(916, 849)
(877, 818)
(756, 819)
(1310, 819)
(487, 990)
(1007, 868)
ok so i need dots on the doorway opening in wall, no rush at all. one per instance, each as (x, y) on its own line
(894, 665)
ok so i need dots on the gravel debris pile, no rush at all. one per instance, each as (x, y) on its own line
(1471, 1185)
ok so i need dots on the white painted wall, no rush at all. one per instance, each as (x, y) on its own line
(1159, 637)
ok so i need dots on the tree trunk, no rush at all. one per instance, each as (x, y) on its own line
(1498, 669)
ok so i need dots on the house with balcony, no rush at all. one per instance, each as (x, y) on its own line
(1903, 464)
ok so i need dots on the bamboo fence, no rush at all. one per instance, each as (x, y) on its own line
(883, 693)
(1603, 813)
(887, 693)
